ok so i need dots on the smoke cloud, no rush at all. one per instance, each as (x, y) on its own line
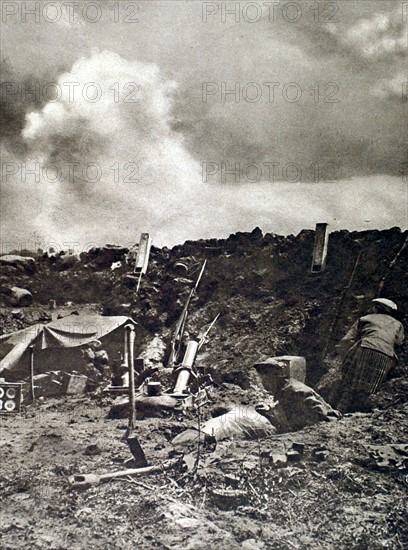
(381, 41)
(107, 157)
(103, 162)
(383, 35)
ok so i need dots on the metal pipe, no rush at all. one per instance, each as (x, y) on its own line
(181, 323)
(185, 369)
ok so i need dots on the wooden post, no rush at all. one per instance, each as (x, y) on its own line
(31, 359)
(320, 247)
(139, 457)
(132, 393)
(142, 259)
(143, 252)
(126, 347)
(138, 282)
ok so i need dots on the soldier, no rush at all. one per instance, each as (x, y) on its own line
(93, 373)
(101, 361)
(368, 353)
(295, 405)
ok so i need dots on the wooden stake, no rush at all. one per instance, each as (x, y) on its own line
(132, 392)
(31, 355)
(126, 348)
(320, 247)
(138, 282)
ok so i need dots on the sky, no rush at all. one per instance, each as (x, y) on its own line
(191, 119)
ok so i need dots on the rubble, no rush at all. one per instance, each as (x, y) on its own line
(393, 455)
(104, 257)
(51, 384)
(20, 297)
(22, 263)
(229, 499)
(320, 453)
(67, 261)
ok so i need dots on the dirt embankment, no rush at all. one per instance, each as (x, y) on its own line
(269, 304)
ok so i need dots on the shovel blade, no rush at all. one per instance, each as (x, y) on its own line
(136, 450)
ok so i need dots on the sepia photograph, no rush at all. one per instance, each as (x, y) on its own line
(204, 275)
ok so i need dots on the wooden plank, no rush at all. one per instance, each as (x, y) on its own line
(143, 252)
(320, 247)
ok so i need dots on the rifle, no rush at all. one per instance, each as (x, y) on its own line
(181, 323)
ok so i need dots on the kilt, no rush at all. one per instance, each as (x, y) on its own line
(364, 369)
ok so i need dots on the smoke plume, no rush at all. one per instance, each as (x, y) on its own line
(102, 162)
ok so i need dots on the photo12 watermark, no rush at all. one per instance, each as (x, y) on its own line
(270, 12)
(404, 94)
(404, 12)
(70, 13)
(53, 247)
(270, 171)
(270, 92)
(70, 92)
(69, 172)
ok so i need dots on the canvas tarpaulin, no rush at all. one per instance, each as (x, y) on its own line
(76, 330)
(70, 332)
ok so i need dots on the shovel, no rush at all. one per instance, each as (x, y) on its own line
(83, 481)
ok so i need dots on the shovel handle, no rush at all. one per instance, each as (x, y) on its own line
(132, 472)
(78, 481)
(85, 480)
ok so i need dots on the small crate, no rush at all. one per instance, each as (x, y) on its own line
(10, 397)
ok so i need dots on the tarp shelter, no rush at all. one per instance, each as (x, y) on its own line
(58, 344)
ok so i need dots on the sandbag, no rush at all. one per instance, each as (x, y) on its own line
(303, 406)
(188, 437)
(241, 422)
(146, 406)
